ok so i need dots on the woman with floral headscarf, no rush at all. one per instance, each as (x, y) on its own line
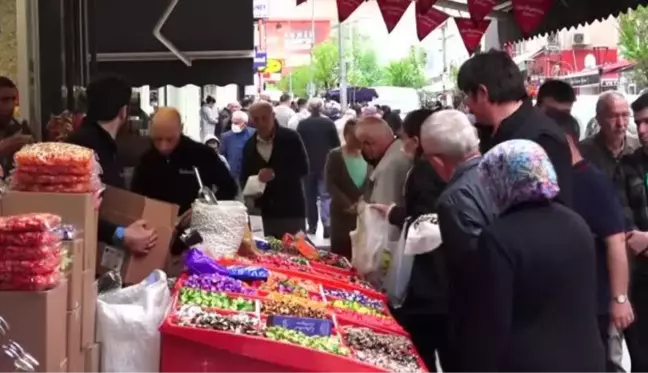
(532, 306)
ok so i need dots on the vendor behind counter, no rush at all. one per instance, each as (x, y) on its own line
(165, 171)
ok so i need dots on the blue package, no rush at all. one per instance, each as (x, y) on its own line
(308, 326)
(248, 273)
(262, 244)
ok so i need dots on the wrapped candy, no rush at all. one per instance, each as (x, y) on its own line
(54, 170)
(30, 283)
(43, 266)
(11, 253)
(55, 154)
(33, 222)
(28, 239)
(24, 177)
(53, 188)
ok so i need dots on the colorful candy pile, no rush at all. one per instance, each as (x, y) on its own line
(236, 323)
(293, 306)
(280, 261)
(358, 307)
(327, 344)
(391, 352)
(328, 258)
(215, 300)
(285, 285)
(355, 296)
(218, 283)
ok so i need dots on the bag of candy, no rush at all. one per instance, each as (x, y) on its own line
(29, 282)
(32, 222)
(29, 239)
(43, 266)
(55, 154)
(84, 187)
(29, 252)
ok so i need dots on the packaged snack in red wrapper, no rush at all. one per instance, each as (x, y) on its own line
(52, 188)
(29, 239)
(42, 266)
(55, 154)
(30, 283)
(29, 252)
(26, 178)
(54, 170)
(34, 222)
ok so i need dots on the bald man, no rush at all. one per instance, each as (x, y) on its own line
(166, 173)
(276, 155)
(606, 148)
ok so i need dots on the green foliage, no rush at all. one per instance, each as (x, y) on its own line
(408, 71)
(633, 33)
(300, 78)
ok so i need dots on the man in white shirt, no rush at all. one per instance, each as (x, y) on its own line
(283, 112)
(301, 115)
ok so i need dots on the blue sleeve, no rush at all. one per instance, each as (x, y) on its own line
(607, 218)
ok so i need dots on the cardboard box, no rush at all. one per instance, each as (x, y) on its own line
(74, 273)
(92, 358)
(123, 207)
(75, 209)
(89, 310)
(74, 349)
(38, 322)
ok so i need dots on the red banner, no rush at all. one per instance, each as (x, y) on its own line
(422, 6)
(392, 11)
(479, 9)
(346, 7)
(427, 22)
(300, 2)
(530, 13)
(471, 32)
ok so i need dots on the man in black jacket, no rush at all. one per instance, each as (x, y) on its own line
(166, 172)
(107, 100)
(320, 137)
(276, 155)
(496, 95)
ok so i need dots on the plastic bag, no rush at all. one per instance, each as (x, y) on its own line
(29, 239)
(34, 222)
(85, 187)
(54, 170)
(221, 226)
(197, 263)
(27, 178)
(128, 320)
(248, 273)
(369, 240)
(423, 235)
(56, 154)
(29, 252)
(30, 283)
(42, 266)
(399, 272)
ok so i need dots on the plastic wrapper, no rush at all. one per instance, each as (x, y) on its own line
(55, 170)
(65, 262)
(86, 187)
(30, 283)
(29, 252)
(198, 263)
(29, 239)
(40, 178)
(43, 266)
(33, 222)
(55, 154)
(67, 232)
(248, 273)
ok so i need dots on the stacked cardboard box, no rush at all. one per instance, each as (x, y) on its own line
(68, 310)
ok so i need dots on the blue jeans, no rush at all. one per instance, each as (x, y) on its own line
(315, 187)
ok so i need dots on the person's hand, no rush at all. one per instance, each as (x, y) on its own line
(382, 209)
(266, 175)
(353, 209)
(13, 143)
(139, 238)
(637, 241)
(621, 315)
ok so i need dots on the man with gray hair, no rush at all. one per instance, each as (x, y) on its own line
(606, 148)
(320, 137)
(451, 144)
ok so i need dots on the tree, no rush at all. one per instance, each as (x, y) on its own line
(408, 71)
(633, 32)
(297, 81)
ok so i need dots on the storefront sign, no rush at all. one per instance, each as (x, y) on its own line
(260, 60)
(392, 11)
(583, 80)
(261, 9)
(471, 32)
(530, 13)
(428, 21)
(273, 66)
(479, 9)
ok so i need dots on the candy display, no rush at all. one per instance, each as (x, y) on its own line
(286, 285)
(218, 283)
(355, 296)
(236, 323)
(327, 344)
(66, 232)
(54, 154)
(293, 306)
(215, 300)
(280, 261)
(35, 222)
(392, 352)
(358, 307)
(383, 323)
(29, 238)
(334, 260)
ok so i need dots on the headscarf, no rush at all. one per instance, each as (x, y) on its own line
(518, 171)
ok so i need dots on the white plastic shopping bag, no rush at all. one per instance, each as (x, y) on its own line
(369, 240)
(128, 320)
(253, 187)
(221, 226)
(400, 270)
(423, 235)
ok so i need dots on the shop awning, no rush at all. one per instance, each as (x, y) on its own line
(217, 41)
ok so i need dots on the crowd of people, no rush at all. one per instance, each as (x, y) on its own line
(544, 260)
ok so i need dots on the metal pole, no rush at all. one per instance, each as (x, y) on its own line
(311, 91)
(445, 57)
(290, 83)
(342, 62)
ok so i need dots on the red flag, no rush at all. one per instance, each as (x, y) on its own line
(422, 6)
(300, 2)
(479, 9)
(427, 22)
(392, 11)
(530, 13)
(471, 32)
(346, 7)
